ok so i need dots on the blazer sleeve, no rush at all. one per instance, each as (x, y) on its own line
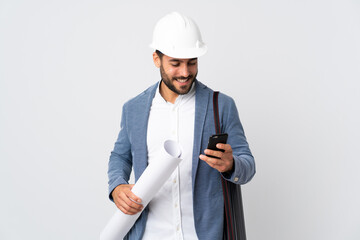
(244, 164)
(120, 162)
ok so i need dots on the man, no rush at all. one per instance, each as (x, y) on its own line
(190, 205)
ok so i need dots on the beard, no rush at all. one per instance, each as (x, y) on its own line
(169, 82)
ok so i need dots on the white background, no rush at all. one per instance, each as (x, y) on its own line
(66, 68)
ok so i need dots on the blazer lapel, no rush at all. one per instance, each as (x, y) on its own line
(141, 132)
(201, 108)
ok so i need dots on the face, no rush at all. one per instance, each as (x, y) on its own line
(178, 74)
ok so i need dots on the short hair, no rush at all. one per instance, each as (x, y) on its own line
(160, 54)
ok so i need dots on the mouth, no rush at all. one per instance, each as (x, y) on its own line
(183, 80)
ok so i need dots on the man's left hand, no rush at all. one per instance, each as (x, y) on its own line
(225, 160)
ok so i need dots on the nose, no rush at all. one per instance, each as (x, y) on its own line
(184, 71)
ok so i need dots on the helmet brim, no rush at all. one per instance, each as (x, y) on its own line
(182, 53)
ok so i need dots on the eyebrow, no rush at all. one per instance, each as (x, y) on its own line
(178, 60)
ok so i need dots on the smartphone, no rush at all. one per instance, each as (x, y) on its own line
(215, 139)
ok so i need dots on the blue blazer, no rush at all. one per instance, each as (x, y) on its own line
(130, 151)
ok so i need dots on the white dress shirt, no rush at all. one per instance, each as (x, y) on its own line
(171, 213)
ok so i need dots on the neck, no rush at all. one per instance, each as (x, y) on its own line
(167, 94)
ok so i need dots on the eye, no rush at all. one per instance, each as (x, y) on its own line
(192, 63)
(175, 65)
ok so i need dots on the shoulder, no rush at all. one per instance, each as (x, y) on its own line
(142, 98)
(223, 99)
(226, 102)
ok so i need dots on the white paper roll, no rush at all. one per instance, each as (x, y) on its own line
(149, 183)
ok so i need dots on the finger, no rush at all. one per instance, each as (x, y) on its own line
(132, 196)
(213, 153)
(120, 204)
(215, 166)
(223, 146)
(213, 162)
(126, 211)
(117, 203)
(127, 208)
(130, 203)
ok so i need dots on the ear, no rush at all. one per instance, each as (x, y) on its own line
(157, 60)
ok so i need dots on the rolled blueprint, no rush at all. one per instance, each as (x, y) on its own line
(149, 183)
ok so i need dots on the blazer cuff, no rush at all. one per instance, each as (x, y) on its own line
(243, 172)
(232, 176)
(114, 184)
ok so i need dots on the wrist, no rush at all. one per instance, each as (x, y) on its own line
(231, 170)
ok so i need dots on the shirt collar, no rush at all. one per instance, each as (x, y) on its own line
(179, 99)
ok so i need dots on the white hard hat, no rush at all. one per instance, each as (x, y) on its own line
(178, 36)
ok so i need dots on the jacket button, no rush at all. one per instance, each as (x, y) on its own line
(236, 179)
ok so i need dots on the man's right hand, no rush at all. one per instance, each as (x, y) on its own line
(122, 194)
